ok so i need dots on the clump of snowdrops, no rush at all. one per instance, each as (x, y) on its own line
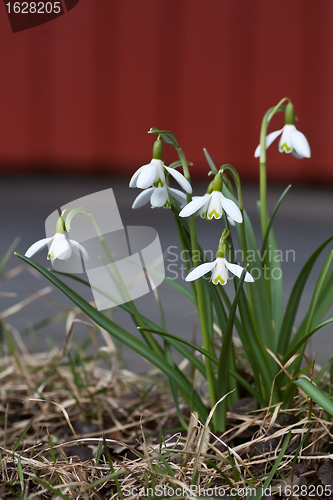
(255, 312)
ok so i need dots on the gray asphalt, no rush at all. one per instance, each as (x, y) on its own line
(305, 220)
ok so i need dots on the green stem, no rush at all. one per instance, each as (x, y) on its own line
(207, 344)
(262, 163)
(135, 313)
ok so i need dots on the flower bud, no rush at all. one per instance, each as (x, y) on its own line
(158, 150)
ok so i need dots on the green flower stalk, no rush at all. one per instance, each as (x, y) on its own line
(291, 141)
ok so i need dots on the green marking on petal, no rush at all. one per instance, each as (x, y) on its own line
(212, 214)
(158, 183)
(285, 148)
(50, 256)
(167, 204)
(218, 280)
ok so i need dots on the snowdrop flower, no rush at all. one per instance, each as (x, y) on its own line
(159, 197)
(153, 174)
(212, 204)
(291, 140)
(60, 247)
(220, 267)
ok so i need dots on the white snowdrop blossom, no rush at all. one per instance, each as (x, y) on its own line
(151, 178)
(60, 248)
(153, 174)
(291, 140)
(211, 206)
(219, 268)
(159, 197)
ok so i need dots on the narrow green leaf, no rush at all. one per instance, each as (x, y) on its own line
(23, 433)
(269, 227)
(314, 301)
(152, 327)
(295, 297)
(223, 366)
(210, 161)
(196, 347)
(259, 298)
(314, 393)
(123, 336)
(304, 339)
(274, 468)
(276, 285)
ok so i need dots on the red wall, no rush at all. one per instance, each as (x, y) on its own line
(79, 93)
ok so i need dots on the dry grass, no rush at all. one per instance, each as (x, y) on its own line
(74, 426)
(72, 429)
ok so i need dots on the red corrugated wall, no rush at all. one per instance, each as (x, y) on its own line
(78, 94)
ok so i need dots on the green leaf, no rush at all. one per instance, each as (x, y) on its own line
(223, 366)
(295, 297)
(210, 161)
(275, 279)
(304, 339)
(314, 301)
(178, 163)
(166, 136)
(123, 336)
(196, 347)
(305, 327)
(259, 302)
(314, 393)
(274, 468)
(276, 285)
(269, 227)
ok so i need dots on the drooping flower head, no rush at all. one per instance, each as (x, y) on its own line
(291, 140)
(220, 267)
(212, 204)
(151, 178)
(60, 247)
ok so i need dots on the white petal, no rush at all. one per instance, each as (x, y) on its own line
(178, 195)
(60, 248)
(300, 144)
(269, 139)
(220, 272)
(132, 182)
(147, 176)
(199, 271)
(193, 206)
(231, 209)
(215, 206)
(159, 197)
(231, 221)
(203, 210)
(237, 271)
(299, 157)
(143, 198)
(77, 247)
(37, 246)
(180, 179)
(285, 144)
